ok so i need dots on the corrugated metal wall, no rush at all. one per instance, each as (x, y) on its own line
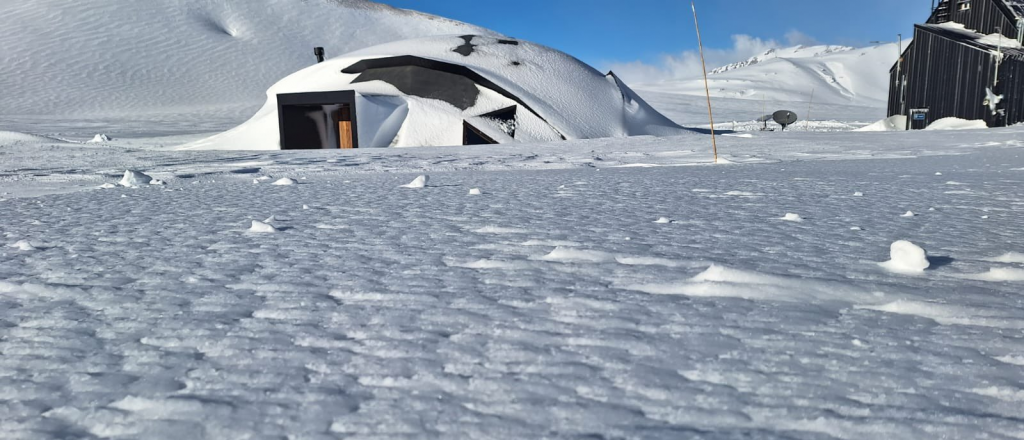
(1011, 83)
(985, 16)
(947, 77)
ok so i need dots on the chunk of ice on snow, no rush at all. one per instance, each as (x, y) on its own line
(284, 182)
(108, 186)
(906, 258)
(909, 214)
(858, 194)
(258, 226)
(791, 217)
(475, 192)
(663, 220)
(134, 179)
(419, 182)
(99, 139)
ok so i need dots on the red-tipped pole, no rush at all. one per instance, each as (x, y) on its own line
(707, 89)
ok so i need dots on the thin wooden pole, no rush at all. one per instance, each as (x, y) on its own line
(809, 104)
(707, 89)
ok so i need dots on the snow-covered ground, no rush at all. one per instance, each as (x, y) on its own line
(617, 288)
(811, 286)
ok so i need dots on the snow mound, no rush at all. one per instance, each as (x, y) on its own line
(9, 137)
(475, 192)
(908, 214)
(1009, 257)
(892, 123)
(663, 220)
(791, 217)
(134, 179)
(570, 255)
(726, 282)
(956, 124)
(202, 57)
(99, 139)
(419, 182)
(552, 97)
(285, 182)
(906, 258)
(23, 245)
(999, 274)
(261, 227)
(858, 194)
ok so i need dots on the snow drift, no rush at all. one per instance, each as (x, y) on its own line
(89, 58)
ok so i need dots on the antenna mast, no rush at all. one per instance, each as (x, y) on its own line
(707, 89)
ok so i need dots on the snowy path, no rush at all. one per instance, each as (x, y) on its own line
(551, 306)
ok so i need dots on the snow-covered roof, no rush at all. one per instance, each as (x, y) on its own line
(559, 96)
(1017, 6)
(989, 43)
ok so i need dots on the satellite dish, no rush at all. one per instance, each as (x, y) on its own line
(784, 118)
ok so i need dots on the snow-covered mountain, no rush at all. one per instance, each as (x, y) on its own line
(91, 58)
(790, 52)
(836, 75)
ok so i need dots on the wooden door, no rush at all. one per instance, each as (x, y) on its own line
(345, 134)
(345, 128)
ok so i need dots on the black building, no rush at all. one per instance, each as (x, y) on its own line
(958, 62)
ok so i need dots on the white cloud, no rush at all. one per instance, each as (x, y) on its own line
(686, 65)
(797, 38)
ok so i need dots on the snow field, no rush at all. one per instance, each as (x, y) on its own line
(552, 307)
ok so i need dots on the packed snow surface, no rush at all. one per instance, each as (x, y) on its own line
(552, 308)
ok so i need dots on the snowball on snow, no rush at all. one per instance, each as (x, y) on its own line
(475, 192)
(134, 178)
(792, 218)
(906, 258)
(285, 181)
(419, 182)
(258, 226)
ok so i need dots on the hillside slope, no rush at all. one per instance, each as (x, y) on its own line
(114, 58)
(836, 74)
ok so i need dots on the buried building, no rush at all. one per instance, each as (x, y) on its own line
(447, 90)
(966, 62)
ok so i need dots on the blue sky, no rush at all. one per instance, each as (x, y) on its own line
(648, 34)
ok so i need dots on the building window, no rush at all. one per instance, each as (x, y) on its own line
(963, 5)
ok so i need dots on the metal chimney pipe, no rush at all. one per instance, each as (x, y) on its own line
(319, 52)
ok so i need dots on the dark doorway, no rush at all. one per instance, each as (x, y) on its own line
(315, 121)
(473, 136)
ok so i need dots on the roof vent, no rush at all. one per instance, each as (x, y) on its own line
(319, 52)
